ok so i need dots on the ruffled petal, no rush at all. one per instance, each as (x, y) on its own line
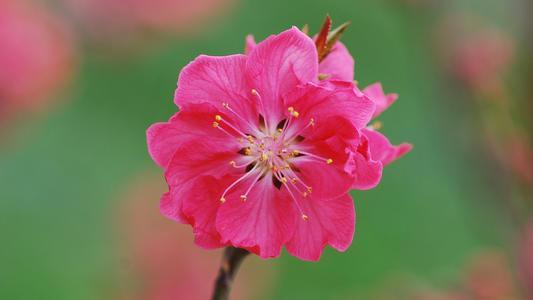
(262, 224)
(381, 149)
(193, 122)
(331, 139)
(195, 157)
(277, 65)
(200, 208)
(338, 64)
(216, 80)
(366, 171)
(331, 98)
(329, 222)
(382, 101)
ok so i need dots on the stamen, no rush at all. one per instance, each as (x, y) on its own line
(235, 165)
(299, 132)
(295, 179)
(263, 110)
(329, 161)
(222, 198)
(304, 216)
(217, 125)
(244, 197)
(218, 118)
(226, 106)
(264, 157)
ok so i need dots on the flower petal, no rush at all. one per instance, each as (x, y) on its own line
(331, 98)
(215, 80)
(382, 101)
(261, 224)
(194, 121)
(329, 222)
(339, 64)
(193, 158)
(381, 149)
(331, 139)
(277, 65)
(366, 171)
(200, 207)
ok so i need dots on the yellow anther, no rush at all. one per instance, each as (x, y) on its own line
(280, 130)
(305, 217)
(295, 152)
(218, 118)
(250, 138)
(274, 169)
(290, 109)
(310, 190)
(295, 114)
(329, 161)
(215, 124)
(247, 151)
(254, 92)
(294, 180)
(283, 179)
(264, 157)
(243, 198)
(222, 199)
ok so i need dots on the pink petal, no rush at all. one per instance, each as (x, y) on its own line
(381, 149)
(339, 64)
(382, 101)
(249, 44)
(195, 157)
(329, 222)
(214, 80)
(261, 224)
(331, 139)
(366, 171)
(278, 64)
(331, 98)
(171, 208)
(200, 207)
(194, 122)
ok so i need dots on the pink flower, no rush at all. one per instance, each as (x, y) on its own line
(375, 149)
(263, 155)
(35, 55)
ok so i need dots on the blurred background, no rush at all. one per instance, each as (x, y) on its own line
(81, 80)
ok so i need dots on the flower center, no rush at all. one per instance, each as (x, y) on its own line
(266, 155)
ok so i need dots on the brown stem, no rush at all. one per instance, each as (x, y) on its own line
(231, 261)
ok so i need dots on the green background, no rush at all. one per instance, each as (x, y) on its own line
(433, 209)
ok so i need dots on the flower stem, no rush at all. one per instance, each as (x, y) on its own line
(231, 261)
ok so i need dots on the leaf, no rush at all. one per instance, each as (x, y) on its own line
(322, 38)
